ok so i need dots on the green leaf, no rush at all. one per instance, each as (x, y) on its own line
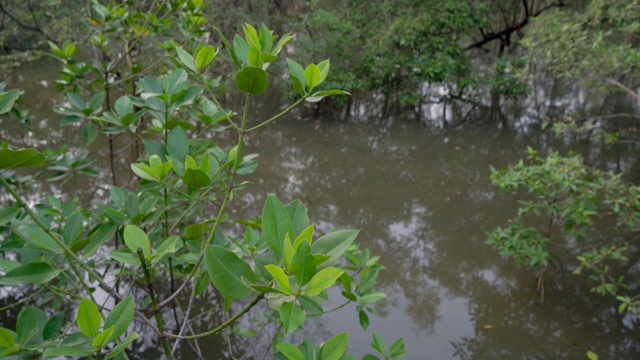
(186, 59)
(280, 277)
(303, 266)
(196, 178)
(364, 319)
(66, 351)
(21, 158)
(254, 57)
(8, 265)
(53, 327)
(76, 101)
(292, 316)
(287, 251)
(123, 345)
(251, 35)
(241, 49)
(125, 256)
(123, 106)
(228, 46)
(372, 297)
(178, 143)
(265, 289)
(309, 304)
(379, 344)
(135, 238)
(120, 318)
(38, 239)
(31, 322)
(313, 76)
(322, 280)
(335, 347)
(252, 80)
(322, 94)
(299, 218)
(226, 271)
(31, 273)
(89, 318)
(297, 71)
(89, 132)
(290, 351)
(334, 245)
(275, 224)
(7, 99)
(266, 38)
(143, 171)
(398, 350)
(8, 214)
(592, 356)
(324, 69)
(7, 339)
(205, 56)
(102, 338)
(306, 234)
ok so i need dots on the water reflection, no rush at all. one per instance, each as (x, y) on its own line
(419, 193)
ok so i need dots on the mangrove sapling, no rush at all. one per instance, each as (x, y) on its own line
(172, 219)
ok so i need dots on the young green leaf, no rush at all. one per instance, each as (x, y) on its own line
(251, 35)
(102, 338)
(322, 280)
(7, 338)
(280, 277)
(313, 76)
(335, 347)
(334, 245)
(324, 69)
(135, 238)
(322, 94)
(290, 351)
(123, 345)
(89, 318)
(205, 56)
(292, 316)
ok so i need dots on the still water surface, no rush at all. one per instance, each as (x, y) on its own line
(419, 192)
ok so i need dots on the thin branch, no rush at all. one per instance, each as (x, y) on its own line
(35, 28)
(224, 325)
(510, 29)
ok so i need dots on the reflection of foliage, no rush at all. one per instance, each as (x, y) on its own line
(506, 78)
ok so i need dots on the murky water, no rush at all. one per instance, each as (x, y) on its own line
(419, 192)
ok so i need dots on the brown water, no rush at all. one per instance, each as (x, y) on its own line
(419, 192)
